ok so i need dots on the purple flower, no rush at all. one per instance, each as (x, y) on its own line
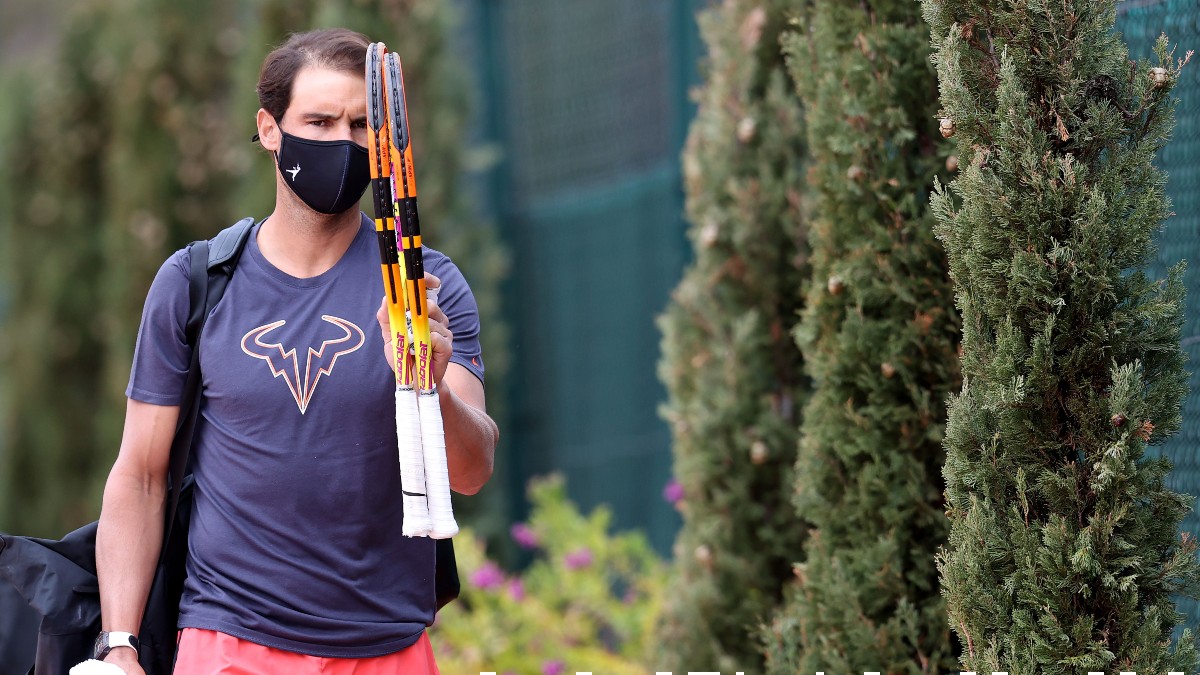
(672, 492)
(578, 559)
(553, 668)
(516, 590)
(524, 536)
(488, 576)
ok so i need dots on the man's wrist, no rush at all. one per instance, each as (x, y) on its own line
(122, 653)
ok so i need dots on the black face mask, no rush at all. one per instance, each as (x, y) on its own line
(329, 176)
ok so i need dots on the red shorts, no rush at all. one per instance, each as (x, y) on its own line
(206, 652)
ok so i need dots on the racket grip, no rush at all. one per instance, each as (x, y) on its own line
(437, 473)
(412, 464)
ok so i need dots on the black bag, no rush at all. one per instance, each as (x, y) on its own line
(57, 579)
(18, 632)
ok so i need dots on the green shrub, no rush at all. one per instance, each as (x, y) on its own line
(588, 600)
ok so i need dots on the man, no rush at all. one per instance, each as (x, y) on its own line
(296, 562)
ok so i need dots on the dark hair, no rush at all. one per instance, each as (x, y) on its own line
(334, 48)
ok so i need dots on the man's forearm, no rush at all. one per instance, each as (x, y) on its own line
(471, 437)
(128, 541)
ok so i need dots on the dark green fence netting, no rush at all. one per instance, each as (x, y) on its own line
(588, 103)
(1141, 22)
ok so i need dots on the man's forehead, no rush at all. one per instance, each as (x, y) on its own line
(322, 91)
(316, 80)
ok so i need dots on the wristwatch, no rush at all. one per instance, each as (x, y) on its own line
(106, 642)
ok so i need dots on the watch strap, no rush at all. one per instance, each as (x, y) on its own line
(109, 640)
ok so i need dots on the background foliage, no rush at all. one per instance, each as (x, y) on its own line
(1064, 551)
(139, 160)
(587, 601)
(879, 334)
(732, 370)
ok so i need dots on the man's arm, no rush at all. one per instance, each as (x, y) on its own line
(471, 434)
(130, 532)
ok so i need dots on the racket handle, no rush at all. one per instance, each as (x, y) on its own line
(437, 473)
(412, 464)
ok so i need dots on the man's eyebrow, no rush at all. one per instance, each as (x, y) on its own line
(316, 116)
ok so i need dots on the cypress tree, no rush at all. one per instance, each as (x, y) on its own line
(1063, 550)
(879, 336)
(732, 371)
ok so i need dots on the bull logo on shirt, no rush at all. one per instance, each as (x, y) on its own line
(318, 362)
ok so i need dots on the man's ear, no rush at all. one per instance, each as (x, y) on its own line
(269, 133)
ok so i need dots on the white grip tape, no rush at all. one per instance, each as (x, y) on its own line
(437, 474)
(412, 464)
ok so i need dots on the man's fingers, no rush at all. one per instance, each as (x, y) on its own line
(432, 284)
(385, 327)
(435, 311)
(440, 335)
(440, 330)
(437, 315)
(382, 316)
(443, 348)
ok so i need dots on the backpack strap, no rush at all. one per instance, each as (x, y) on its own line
(227, 246)
(213, 263)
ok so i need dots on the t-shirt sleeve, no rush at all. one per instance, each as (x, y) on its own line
(162, 356)
(457, 301)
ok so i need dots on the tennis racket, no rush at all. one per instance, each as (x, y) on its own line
(408, 423)
(404, 186)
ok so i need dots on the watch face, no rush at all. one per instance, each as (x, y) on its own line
(101, 649)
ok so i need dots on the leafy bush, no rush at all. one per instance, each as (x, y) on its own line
(588, 601)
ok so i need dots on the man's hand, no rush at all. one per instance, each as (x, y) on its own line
(439, 333)
(125, 659)
(470, 434)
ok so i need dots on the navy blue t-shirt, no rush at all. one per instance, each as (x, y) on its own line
(295, 538)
